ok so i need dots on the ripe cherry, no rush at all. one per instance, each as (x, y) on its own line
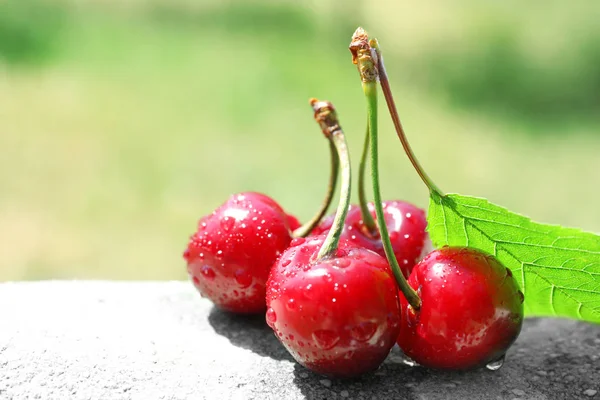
(471, 310)
(338, 316)
(229, 257)
(333, 305)
(406, 225)
(462, 308)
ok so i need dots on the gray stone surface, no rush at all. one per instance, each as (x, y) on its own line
(107, 340)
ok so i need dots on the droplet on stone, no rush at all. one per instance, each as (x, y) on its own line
(409, 361)
(496, 364)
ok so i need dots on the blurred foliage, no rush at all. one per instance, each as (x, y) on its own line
(497, 75)
(30, 30)
(143, 115)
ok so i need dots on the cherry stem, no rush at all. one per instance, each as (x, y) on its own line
(389, 99)
(367, 218)
(326, 116)
(364, 57)
(307, 228)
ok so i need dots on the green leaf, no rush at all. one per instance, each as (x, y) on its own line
(558, 269)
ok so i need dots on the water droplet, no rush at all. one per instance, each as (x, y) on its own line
(219, 254)
(227, 223)
(409, 361)
(408, 215)
(291, 337)
(521, 296)
(291, 304)
(271, 317)
(286, 262)
(243, 278)
(297, 242)
(342, 262)
(364, 331)
(406, 236)
(301, 343)
(325, 339)
(333, 300)
(207, 272)
(496, 364)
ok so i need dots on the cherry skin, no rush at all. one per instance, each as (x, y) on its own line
(406, 224)
(471, 310)
(338, 316)
(293, 222)
(229, 257)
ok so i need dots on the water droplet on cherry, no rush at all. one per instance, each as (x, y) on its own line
(243, 278)
(325, 339)
(227, 223)
(363, 331)
(271, 317)
(207, 272)
(297, 242)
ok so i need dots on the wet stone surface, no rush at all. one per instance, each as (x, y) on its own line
(108, 340)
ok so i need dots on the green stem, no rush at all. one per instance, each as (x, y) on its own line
(370, 89)
(327, 118)
(367, 218)
(389, 99)
(307, 228)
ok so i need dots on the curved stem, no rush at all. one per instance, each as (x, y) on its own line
(326, 117)
(389, 99)
(307, 228)
(370, 89)
(367, 218)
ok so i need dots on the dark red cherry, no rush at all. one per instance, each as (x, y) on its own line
(471, 310)
(406, 224)
(229, 257)
(338, 316)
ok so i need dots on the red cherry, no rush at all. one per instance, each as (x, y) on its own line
(338, 316)
(471, 310)
(406, 224)
(293, 222)
(229, 257)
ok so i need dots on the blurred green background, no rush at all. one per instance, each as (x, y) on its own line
(123, 121)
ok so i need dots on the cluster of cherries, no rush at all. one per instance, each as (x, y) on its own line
(340, 291)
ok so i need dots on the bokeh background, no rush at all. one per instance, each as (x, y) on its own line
(123, 121)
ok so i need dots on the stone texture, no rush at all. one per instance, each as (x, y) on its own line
(108, 340)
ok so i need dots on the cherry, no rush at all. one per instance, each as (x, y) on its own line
(406, 225)
(332, 304)
(229, 257)
(471, 310)
(293, 222)
(337, 316)
(462, 308)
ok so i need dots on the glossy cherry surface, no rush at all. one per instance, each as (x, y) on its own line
(229, 257)
(406, 224)
(339, 316)
(471, 311)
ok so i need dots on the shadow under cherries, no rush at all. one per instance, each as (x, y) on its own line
(250, 332)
